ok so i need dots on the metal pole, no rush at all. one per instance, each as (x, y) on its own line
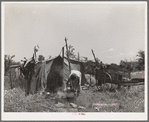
(67, 54)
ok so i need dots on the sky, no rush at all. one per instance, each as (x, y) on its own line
(115, 31)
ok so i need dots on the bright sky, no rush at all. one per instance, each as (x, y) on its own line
(114, 31)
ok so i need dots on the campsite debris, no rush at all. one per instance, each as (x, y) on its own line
(73, 110)
(81, 107)
(48, 93)
(85, 88)
(87, 85)
(70, 94)
(61, 94)
(96, 108)
(59, 105)
(73, 105)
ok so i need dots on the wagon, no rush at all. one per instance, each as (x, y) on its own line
(108, 78)
(112, 77)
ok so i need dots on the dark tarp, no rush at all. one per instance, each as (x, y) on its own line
(51, 74)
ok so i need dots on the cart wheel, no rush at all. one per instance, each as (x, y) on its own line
(107, 82)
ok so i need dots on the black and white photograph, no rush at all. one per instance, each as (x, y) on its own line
(74, 60)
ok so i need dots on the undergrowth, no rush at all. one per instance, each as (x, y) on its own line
(123, 100)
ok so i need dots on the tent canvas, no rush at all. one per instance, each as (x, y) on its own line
(51, 74)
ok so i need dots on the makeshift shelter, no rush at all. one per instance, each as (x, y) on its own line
(51, 74)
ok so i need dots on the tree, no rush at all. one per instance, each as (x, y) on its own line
(129, 65)
(70, 52)
(122, 64)
(8, 61)
(41, 58)
(141, 60)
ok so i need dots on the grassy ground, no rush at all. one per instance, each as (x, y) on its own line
(124, 100)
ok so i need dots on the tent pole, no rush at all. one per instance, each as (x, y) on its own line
(78, 57)
(67, 54)
(94, 57)
(63, 61)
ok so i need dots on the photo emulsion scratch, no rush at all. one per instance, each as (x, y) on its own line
(74, 61)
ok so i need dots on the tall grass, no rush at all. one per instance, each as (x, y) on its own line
(128, 100)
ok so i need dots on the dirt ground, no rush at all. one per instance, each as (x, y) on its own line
(90, 100)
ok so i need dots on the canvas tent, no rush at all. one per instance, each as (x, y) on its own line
(51, 74)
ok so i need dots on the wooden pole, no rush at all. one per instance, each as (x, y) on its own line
(78, 57)
(94, 56)
(34, 53)
(63, 52)
(67, 54)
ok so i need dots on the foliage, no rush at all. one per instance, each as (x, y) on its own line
(41, 58)
(127, 65)
(134, 65)
(116, 67)
(16, 63)
(84, 59)
(70, 52)
(141, 60)
(8, 61)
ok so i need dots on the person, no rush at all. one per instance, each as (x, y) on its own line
(74, 81)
